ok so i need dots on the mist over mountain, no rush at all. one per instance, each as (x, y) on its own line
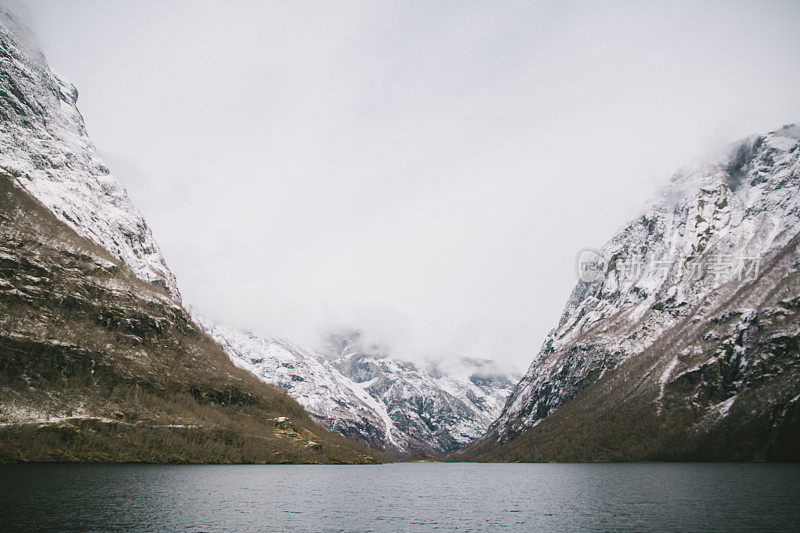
(390, 404)
(423, 173)
(681, 340)
(399, 266)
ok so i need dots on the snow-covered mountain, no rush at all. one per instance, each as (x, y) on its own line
(331, 398)
(45, 147)
(440, 410)
(690, 308)
(391, 405)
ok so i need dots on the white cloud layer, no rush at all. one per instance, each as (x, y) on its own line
(424, 171)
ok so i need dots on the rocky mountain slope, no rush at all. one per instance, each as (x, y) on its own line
(44, 145)
(681, 339)
(98, 365)
(388, 404)
(98, 360)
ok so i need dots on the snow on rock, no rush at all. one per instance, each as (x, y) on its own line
(711, 224)
(439, 411)
(45, 147)
(391, 405)
(331, 398)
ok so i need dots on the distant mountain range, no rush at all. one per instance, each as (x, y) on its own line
(391, 405)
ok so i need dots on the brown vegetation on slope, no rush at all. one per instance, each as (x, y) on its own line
(97, 365)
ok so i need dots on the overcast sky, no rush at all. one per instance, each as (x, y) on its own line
(425, 171)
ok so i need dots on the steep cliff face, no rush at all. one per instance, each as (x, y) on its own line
(45, 148)
(686, 318)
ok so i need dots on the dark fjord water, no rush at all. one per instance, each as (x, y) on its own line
(408, 497)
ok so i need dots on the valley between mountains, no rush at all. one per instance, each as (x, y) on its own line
(681, 343)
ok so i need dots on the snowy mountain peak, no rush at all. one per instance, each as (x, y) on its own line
(45, 147)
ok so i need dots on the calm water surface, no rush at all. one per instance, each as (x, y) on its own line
(407, 497)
